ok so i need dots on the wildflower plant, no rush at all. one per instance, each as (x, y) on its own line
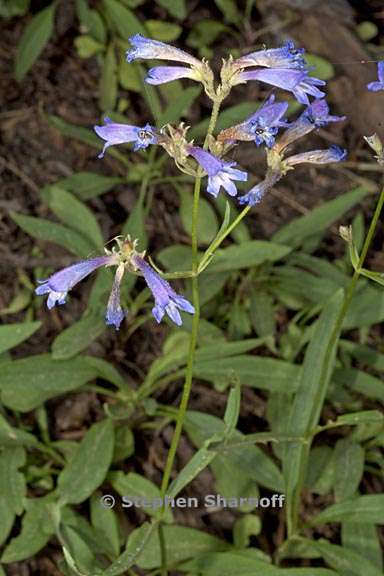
(211, 164)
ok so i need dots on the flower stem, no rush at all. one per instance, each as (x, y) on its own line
(292, 510)
(193, 339)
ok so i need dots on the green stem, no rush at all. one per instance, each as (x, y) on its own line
(193, 340)
(293, 510)
(214, 246)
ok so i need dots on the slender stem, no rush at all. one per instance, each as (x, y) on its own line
(292, 510)
(207, 256)
(193, 339)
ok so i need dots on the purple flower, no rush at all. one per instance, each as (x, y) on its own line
(148, 49)
(220, 173)
(164, 74)
(115, 314)
(376, 86)
(288, 56)
(256, 194)
(316, 115)
(166, 299)
(332, 154)
(295, 81)
(59, 284)
(308, 86)
(114, 133)
(261, 127)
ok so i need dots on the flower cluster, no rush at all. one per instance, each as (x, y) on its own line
(125, 258)
(283, 68)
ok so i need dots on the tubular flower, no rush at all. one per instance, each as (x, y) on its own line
(256, 194)
(114, 133)
(167, 301)
(125, 257)
(295, 81)
(220, 173)
(378, 85)
(148, 49)
(288, 56)
(316, 115)
(261, 127)
(332, 154)
(164, 74)
(115, 314)
(59, 284)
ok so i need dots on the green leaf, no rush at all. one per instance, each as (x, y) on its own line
(250, 562)
(360, 381)
(180, 107)
(10, 8)
(349, 468)
(345, 561)
(181, 543)
(368, 508)
(205, 32)
(365, 417)
(74, 214)
(247, 255)
(244, 466)
(176, 8)
(309, 398)
(88, 185)
(88, 467)
(323, 69)
(232, 410)
(163, 31)
(321, 217)
(230, 11)
(78, 336)
(133, 485)
(124, 20)
(27, 383)
(199, 461)
(36, 530)
(255, 371)
(367, 30)
(12, 488)
(363, 539)
(108, 81)
(56, 233)
(91, 21)
(35, 36)
(106, 524)
(207, 226)
(137, 542)
(87, 46)
(245, 527)
(13, 334)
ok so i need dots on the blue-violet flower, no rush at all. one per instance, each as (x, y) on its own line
(148, 49)
(114, 133)
(164, 74)
(288, 56)
(220, 173)
(261, 127)
(332, 154)
(60, 283)
(115, 314)
(379, 85)
(166, 299)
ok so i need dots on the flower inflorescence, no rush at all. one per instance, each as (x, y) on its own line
(126, 258)
(283, 68)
